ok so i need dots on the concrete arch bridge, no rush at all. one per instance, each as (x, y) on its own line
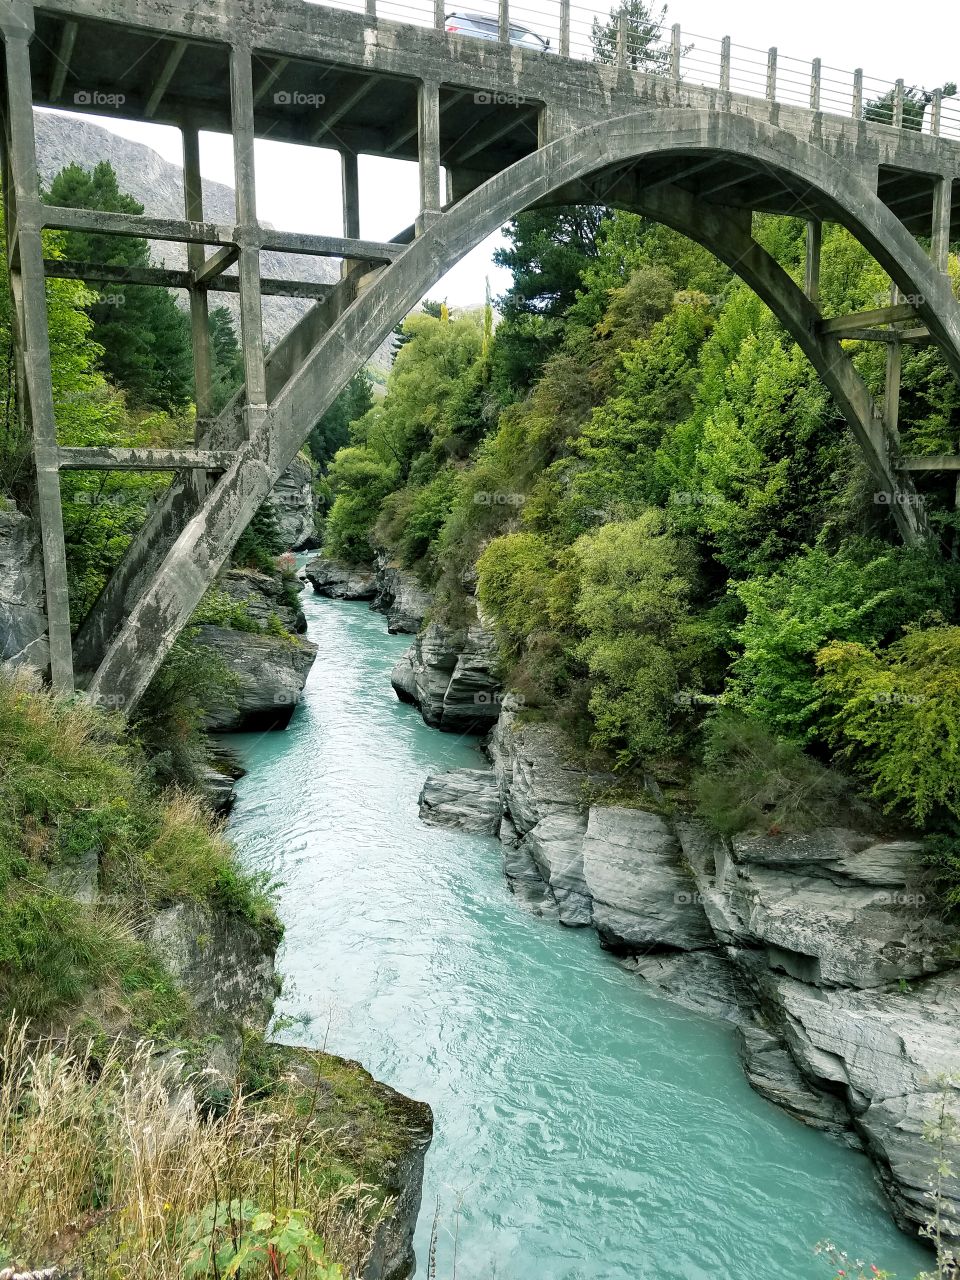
(495, 128)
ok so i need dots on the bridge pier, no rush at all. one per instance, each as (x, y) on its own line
(35, 405)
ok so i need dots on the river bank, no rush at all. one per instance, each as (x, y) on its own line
(586, 1129)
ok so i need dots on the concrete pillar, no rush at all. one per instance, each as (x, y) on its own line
(725, 64)
(898, 95)
(29, 313)
(439, 15)
(248, 233)
(942, 215)
(199, 312)
(622, 39)
(428, 134)
(812, 274)
(350, 185)
(772, 74)
(564, 28)
(891, 388)
(675, 51)
(504, 21)
(815, 77)
(857, 108)
(936, 109)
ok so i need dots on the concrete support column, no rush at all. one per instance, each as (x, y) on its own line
(725, 65)
(248, 233)
(428, 134)
(199, 311)
(350, 186)
(891, 387)
(812, 274)
(942, 215)
(564, 28)
(857, 105)
(772, 74)
(31, 335)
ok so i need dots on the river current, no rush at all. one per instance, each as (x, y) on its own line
(585, 1129)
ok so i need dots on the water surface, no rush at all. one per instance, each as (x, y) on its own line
(585, 1130)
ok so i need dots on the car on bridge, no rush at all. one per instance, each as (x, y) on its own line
(483, 27)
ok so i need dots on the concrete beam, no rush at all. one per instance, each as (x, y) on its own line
(168, 278)
(167, 73)
(248, 233)
(868, 319)
(931, 462)
(135, 224)
(208, 270)
(143, 459)
(61, 59)
(330, 246)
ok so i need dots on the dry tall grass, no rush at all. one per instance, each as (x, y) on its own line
(108, 1170)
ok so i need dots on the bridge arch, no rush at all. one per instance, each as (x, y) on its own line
(192, 560)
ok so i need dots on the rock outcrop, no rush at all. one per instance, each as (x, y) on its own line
(270, 674)
(468, 799)
(340, 581)
(265, 598)
(449, 673)
(23, 623)
(822, 948)
(401, 597)
(293, 504)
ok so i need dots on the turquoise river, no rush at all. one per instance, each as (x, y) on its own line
(585, 1130)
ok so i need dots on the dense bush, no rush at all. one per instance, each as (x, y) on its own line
(864, 591)
(895, 715)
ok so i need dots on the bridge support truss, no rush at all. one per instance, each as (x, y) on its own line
(698, 165)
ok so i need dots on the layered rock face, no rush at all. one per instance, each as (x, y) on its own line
(448, 673)
(23, 623)
(340, 581)
(270, 672)
(401, 597)
(821, 947)
(467, 799)
(292, 502)
(263, 598)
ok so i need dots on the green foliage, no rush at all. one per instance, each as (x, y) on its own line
(864, 591)
(939, 859)
(332, 432)
(240, 1239)
(219, 609)
(360, 481)
(643, 28)
(226, 358)
(752, 780)
(260, 543)
(632, 608)
(514, 578)
(72, 788)
(895, 715)
(144, 334)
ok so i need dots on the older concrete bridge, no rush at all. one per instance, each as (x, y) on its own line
(510, 129)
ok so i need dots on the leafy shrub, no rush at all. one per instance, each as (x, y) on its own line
(261, 542)
(514, 574)
(219, 609)
(360, 481)
(895, 715)
(864, 591)
(750, 779)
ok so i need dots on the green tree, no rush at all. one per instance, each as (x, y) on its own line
(332, 432)
(915, 102)
(144, 334)
(643, 27)
(226, 358)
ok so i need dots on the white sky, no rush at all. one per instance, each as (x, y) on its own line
(298, 188)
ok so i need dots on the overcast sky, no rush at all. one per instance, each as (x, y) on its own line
(298, 188)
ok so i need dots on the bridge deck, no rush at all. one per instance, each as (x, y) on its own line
(328, 77)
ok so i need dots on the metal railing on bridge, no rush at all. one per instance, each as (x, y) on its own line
(594, 36)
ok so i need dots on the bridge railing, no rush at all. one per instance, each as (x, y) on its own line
(590, 34)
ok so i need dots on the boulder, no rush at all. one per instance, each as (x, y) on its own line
(23, 622)
(293, 504)
(467, 799)
(401, 597)
(340, 581)
(449, 674)
(270, 672)
(264, 597)
(644, 897)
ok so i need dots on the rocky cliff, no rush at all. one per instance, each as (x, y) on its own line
(822, 948)
(450, 674)
(23, 623)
